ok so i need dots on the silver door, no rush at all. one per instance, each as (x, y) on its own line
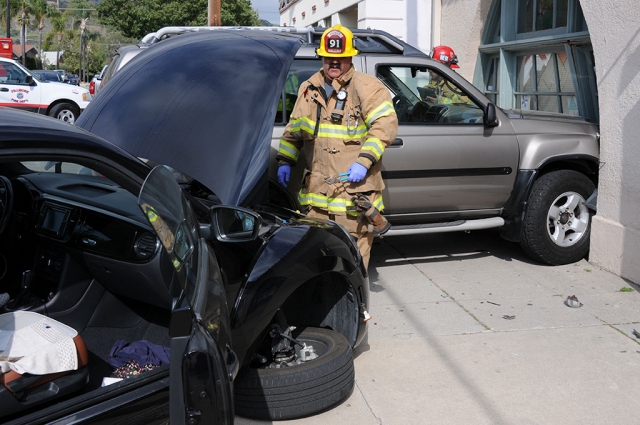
(445, 163)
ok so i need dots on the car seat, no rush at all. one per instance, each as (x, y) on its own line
(38, 343)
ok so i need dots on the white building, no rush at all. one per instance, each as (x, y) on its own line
(409, 20)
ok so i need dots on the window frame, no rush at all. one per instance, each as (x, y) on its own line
(501, 41)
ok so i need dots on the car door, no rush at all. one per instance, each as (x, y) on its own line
(15, 89)
(445, 163)
(202, 362)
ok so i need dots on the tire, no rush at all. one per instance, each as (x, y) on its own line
(557, 225)
(65, 112)
(301, 390)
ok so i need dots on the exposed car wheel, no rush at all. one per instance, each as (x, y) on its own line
(65, 112)
(557, 225)
(303, 389)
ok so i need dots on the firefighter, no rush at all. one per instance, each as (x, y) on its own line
(441, 90)
(342, 122)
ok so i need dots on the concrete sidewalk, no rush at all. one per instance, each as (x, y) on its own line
(467, 330)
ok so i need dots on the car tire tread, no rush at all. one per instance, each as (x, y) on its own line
(298, 391)
(535, 241)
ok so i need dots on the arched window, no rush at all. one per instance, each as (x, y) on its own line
(537, 55)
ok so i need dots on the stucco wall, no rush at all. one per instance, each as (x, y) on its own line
(615, 36)
(461, 26)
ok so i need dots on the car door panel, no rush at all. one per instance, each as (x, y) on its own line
(202, 363)
(446, 163)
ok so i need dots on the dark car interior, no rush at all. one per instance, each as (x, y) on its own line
(417, 106)
(75, 247)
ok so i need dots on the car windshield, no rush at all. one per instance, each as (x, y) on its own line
(58, 167)
(46, 76)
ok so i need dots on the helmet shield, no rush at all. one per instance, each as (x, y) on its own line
(335, 42)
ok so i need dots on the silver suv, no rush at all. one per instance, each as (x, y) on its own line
(461, 166)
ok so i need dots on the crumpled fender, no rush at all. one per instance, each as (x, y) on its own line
(292, 256)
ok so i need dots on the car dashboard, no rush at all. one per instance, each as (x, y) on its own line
(76, 229)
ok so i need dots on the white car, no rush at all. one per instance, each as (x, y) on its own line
(20, 89)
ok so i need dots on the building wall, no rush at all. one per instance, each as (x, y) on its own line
(461, 29)
(409, 20)
(615, 36)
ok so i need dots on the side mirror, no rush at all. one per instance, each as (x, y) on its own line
(234, 224)
(490, 117)
(29, 80)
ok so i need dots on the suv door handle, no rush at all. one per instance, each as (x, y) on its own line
(4, 89)
(397, 143)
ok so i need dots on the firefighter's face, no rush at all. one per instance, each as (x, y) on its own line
(335, 67)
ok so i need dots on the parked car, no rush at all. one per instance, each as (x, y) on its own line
(62, 73)
(465, 166)
(46, 75)
(92, 84)
(166, 236)
(19, 89)
(72, 79)
(98, 81)
(121, 57)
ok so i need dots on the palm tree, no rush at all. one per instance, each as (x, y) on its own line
(58, 20)
(24, 13)
(39, 9)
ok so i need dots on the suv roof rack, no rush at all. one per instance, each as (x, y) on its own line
(366, 40)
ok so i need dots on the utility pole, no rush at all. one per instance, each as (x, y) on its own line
(8, 18)
(214, 18)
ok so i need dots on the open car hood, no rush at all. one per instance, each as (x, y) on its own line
(203, 103)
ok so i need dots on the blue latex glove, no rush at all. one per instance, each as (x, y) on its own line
(284, 172)
(357, 172)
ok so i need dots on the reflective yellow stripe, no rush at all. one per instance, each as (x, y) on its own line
(288, 150)
(378, 203)
(328, 130)
(333, 204)
(386, 108)
(152, 215)
(375, 146)
(302, 124)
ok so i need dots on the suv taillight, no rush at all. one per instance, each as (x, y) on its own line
(92, 87)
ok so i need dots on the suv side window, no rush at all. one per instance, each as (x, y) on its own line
(12, 74)
(301, 70)
(423, 95)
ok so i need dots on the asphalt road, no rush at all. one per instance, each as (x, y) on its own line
(467, 330)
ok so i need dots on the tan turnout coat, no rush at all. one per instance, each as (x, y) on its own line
(368, 125)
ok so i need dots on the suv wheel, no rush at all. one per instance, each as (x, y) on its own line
(289, 392)
(65, 112)
(557, 225)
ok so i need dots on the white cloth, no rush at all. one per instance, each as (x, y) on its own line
(38, 344)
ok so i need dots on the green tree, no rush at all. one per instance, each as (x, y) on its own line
(24, 17)
(58, 21)
(39, 9)
(136, 19)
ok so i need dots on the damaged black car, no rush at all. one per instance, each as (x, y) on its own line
(144, 276)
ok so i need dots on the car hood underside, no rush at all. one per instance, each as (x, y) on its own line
(203, 103)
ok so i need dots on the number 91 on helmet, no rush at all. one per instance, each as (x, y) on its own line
(337, 42)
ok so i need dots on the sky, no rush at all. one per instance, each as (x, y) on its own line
(267, 10)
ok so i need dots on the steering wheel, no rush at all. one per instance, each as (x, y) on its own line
(402, 107)
(6, 202)
(419, 112)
